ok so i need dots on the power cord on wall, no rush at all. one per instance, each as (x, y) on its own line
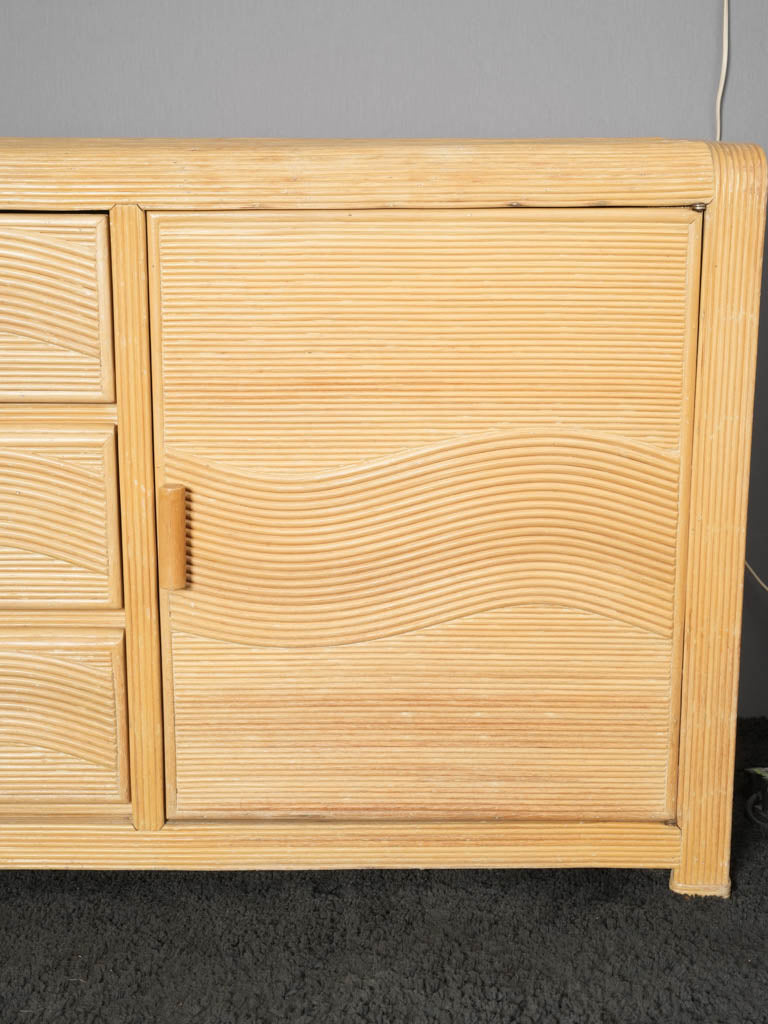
(723, 73)
(752, 573)
(718, 133)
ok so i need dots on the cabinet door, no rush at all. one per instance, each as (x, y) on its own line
(436, 509)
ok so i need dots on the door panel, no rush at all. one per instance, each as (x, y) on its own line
(435, 510)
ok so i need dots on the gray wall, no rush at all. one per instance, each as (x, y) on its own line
(402, 68)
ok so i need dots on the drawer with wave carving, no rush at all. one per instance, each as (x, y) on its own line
(63, 739)
(59, 518)
(55, 308)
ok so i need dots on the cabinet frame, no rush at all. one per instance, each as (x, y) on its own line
(126, 177)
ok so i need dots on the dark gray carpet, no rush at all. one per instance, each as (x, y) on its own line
(572, 947)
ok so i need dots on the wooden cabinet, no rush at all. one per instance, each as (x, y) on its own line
(450, 444)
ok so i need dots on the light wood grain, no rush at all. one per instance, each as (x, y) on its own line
(59, 532)
(733, 245)
(313, 845)
(62, 619)
(63, 732)
(343, 173)
(452, 542)
(172, 537)
(433, 534)
(19, 418)
(55, 308)
(128, 236)
(424, 452)
(294, 342)
(468, 719)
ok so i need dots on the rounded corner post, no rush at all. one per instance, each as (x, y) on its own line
(730, 294)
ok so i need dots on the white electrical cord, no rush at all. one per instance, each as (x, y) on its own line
(723, 74)
(752, 573)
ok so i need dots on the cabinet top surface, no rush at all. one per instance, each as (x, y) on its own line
(79, 174)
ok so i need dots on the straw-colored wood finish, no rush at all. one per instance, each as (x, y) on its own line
(92, 174)
(55, 315)
(59, 519)
(171, 537)
(63, 734)
(129, 268)
(734, 229)
(314, 844)
(456, 506)
(434, 465)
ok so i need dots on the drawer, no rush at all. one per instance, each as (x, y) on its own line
(59, 526)
(55, 316)
(62, 717)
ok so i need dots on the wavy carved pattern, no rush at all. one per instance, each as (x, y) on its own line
(62, 717)
(55, 323)
(428, 536)
(58, 511)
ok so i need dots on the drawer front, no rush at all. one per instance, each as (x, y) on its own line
(55, 308)
(436, 508)
(62, 718)
(59, 524)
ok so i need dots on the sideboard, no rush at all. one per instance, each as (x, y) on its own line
(374, 503)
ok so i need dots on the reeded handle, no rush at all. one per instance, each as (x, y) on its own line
(172, 537)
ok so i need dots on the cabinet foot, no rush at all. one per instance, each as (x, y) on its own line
(699, 888)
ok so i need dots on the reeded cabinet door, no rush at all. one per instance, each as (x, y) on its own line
(436, 511)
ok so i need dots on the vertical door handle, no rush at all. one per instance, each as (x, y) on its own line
(172, 537)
